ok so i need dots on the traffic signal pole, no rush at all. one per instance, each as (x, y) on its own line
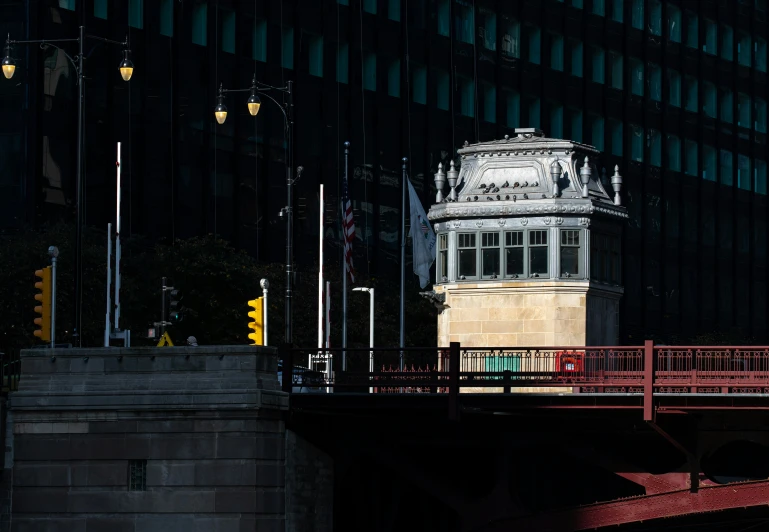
(163, 309)
(53, 251)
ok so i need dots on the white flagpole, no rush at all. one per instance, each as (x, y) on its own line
(329, 358)
(117, 247)
(107, 324)
(320, 277)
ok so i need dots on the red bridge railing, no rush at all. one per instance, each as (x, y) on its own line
(643, 369)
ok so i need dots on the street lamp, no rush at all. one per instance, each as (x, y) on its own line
(126, 71)
(254, 104)
(370, 328)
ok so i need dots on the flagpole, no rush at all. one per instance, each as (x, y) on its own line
(344, 270)
(403, 263)
(320, 276)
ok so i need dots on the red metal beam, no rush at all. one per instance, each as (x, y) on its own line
(645, 508)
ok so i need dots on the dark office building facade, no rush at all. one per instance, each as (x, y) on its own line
(672, 91)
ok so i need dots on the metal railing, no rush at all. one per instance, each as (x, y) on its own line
(592, 369)
(10, 371)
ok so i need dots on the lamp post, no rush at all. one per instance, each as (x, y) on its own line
(370, 328)
(254, 104)
(126, 69)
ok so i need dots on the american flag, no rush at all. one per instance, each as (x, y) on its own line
(348, 226)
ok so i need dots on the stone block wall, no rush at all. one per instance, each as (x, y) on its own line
(309, 486)
(146, 440)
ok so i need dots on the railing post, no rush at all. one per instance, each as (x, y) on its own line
(286, 355)
(648, 380)
(454, 365)
(506, 379)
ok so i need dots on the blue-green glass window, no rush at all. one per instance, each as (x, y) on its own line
(315, 55)
(710, 94)
(692, 29)
(636, 76)
(759, 112)
(467, 96)
(655, 17)
(637, 16)
(394, 81)
(674, 153)
(617, 10)
(533, 111)
(599, 8)
(674, 23)
(709, 163)
(576, 57)
(690, 159)
(259, 42)
(511, 40)
(615, 129)
(759, 176)
(556, 52)
(199, 24)
(596, 131)
(578, 5)
(100, 9)
(654, 141)
(394, 10)
(442, 89)
(67, 4)
(464, 21)
(597, 62)
(690, 94)
(512, 109)
(743, 172)
(535, 36)
(744, 48)
(674, 88)
(489, 29)
(615, 63)
(228, 31)
(655, 82)
(287, 48)
(727, 42)
(575, 122)
(369, 71)
(710, 46)
(636, 143)
(369, 6)
(490, 103)
(136, 13)
(556, 121)
(743, 110)
(443, 17)
(727, 106)
(725, 167)
(759, 46)
(343, 63)
(167, 18)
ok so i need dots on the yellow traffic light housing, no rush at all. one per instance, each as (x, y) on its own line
(257, 315)
(44, 308)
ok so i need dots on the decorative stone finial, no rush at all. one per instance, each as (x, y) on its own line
(452, 175)
(616, 183)
(440, 181)
(555, 174)
(584, 173)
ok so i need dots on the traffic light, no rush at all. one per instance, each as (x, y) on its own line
(44, 308)
(175, 309)
(258, 324)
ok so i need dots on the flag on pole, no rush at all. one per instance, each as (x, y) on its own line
(348, 227)
(422, 238)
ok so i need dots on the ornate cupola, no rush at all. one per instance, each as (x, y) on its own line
(529, 244)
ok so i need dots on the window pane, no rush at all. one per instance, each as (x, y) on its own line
(709, 163)
(534, 44)
(617, 7)
(655, 17)
(100, 9)
(615, 59)
(488, 31)
(511, 40)
(655, 147)
(674, 23)
(533, 110)
(287, 50)
(637, 16)
(597, 56)
(538, 260)
(442, 89)
(166, 17)
(725, 167)
(727, 42)
(199, 23)
(744, 48)
(394, 79)
(369, 71)
(674, 88)
(760, 115)
(342, 66)
(467, 262)
(443, 263)
(636, 142)
(615, 128)
(691, 157)
(569, 260)
(692, 30)
(260, 41)
(228, 31)
(463, 22)
(514, 261)
(490, 103)
(443, 17)
(467, 97)
(636, 76)
(596, 132)
(512, 108)
(136, 13)
(369, 6)
(576, 124)
(556, 52)
(743, 110)
(759, 185)
(576, 57)
(556, 121)
(394, 10)
(490, 260)
(674, 153)
(727, 106)
(598, 7)
(760, 48)
(711, 38)
(655, 82)
(743, 172)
